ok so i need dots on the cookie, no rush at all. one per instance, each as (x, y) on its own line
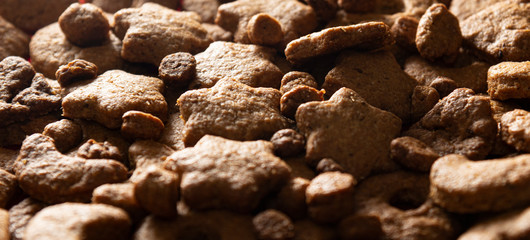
(141, 125)
(249, 64)
(349, 130)
(156, 190)
(49, 49)
(232, 110)
(514, 129)
(76, 70)
(389, 89)
(106, 98)
(499, 32)
(77, 220)
(84, 25)
(510, 225)
(65, 133)
(151, 32)
(509, 80)
(32, 15)
(8, 183)
(235, 16)
(20, 215)
(13, 41)
(272, 224)
(121, 195)
(460, 123)
(329, 196)
(222, 173)
(364, 36)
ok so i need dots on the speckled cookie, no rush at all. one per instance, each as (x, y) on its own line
(232, 110)
(509, 80)
(249, 64)
(222, 173)
(349, 130)
(106, 98)
(50, 49)
(500, 32)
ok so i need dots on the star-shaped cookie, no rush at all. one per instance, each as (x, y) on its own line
(232, 110)
(349, 130)
(218, 172)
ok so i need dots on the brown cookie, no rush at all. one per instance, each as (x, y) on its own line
(288, 142)
(471, 75)
(364, 36)
(329, 196)
(49, 49)
(177, 68)
(39, 163)
(412, 153)
(232, 110)
(92, 149)
(510, 225)
(151, 32)
(291, 198)
(463, 186)
(81, 221)
(137, 124)
(273, 225)
(293, 79)
(76, 70)
(207, 9)
(249, 64)
(515, 129)
(349, 130)
(404, 32)
(500, 31)
(400, 201)
(30, 15)
(389, 87)
(84, 25)
(263, 29)
(296, 18)
(8, 186)
(7, 158)
(156, 190)
(438, 35)
(106, 98)
(13, 41)
(221, 173)
(65, 133)
(460, 123)
(21, 214)
(172, 134)
(121, 195)
(509, 80)
(297, 96)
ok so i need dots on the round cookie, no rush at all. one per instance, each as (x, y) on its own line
(50, 49)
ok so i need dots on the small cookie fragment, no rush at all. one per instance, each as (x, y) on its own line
(249, 64)
(151, 32)
(121, 195)
(156, 190)
(263, 29)
(500, 31)
(273, 225)
(39, 163)
(510, 225)
(232, 110)
(365, 132)
(404, 32)
(235, 16)
(328, 165)
(222, 173)
(423, 99)
(295, 78)
(509, 80)
(21, 214)
(177, 68)
(8, 186)
(463, 186)
(93, 149)
(137, 124)
(460, 123)
(443, 85)
(365, 36)
(291, 197)
(376, 77)
(412, 153)
(13, 41)
(65, 133)
(79, 221)
(329, 196)
(7, 158)
(288, 142)
(106, 98)
(84, 25)
(515, 129)
(16, 74)
(438, 34)
(297, 96)
(49, 49)
(76, 70)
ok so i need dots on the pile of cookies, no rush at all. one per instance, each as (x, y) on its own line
(265, 119)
